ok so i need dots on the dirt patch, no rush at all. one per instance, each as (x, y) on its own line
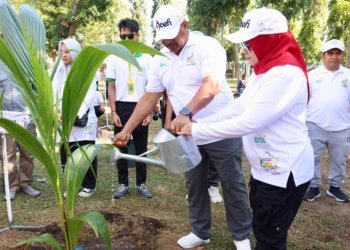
(128, 232)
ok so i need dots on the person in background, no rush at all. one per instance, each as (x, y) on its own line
(21, 175)
(271, 117)
(328, 119)
(236, 95)
(126, 85)
(241, 84)
(98, 103)
(79, 136)
(192, 73)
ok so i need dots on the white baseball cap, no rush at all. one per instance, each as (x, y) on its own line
(333, 44)
(262, 21)
(167, 21)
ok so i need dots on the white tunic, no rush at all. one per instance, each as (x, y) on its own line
(329, 106)
(270, 115)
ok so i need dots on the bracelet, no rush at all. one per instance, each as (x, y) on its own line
(113, 111)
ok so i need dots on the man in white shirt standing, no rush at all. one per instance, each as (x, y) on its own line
(192, 72)
(328, 119)
(126, 85)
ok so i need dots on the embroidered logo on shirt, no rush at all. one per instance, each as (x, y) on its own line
(259, 140)
(269, 162)
(190, 60)
(345, 83)
(162, 64)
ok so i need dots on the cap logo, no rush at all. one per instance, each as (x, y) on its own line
(160, 25)
(261, 27)
(245, 24)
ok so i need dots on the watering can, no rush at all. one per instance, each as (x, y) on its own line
(178, 154)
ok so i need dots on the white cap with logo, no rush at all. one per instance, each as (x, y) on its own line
(262, 21)
(333, 44)
(167, 21)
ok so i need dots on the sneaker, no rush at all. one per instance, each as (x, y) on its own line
(86, 192)
(337, 194)
(214, 194)
(242, 244)
(312, 194)
(29, 190)
(12, 195)
(191, 240)
(143, 191)
(121, 191)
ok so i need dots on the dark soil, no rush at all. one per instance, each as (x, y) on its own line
(127, 232)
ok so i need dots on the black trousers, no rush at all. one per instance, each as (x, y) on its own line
(213, 176)
(274, 209)
(140, 138)
(91, 175)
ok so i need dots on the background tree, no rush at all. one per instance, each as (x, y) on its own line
(104, 31)
(62, 18)
(311, 34)
(307, 22)
(211, 17)
(139, 13)
(338, 24)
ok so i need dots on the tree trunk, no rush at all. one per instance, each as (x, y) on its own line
(236, 74)
(73, 23)
(347, 50)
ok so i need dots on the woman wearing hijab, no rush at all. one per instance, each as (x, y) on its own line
(79, 136)
(270, 116)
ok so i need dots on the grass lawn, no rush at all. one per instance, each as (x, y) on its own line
(323, 224)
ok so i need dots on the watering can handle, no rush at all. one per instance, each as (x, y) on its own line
(171, 132)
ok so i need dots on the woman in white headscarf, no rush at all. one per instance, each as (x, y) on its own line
(70, 48)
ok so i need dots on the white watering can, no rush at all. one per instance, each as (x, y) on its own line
(178, 154)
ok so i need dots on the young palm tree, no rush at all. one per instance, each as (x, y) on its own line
(22, 49)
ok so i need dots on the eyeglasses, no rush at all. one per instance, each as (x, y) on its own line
(129, 36)
(245, 46)
(67, 51)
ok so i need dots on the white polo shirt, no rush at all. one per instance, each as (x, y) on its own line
(181, 75)
(329, 105)
(122, 73)
(270, 115)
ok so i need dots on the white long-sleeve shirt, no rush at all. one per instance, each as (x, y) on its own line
(270, 116)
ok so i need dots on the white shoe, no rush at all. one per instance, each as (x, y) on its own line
(242, 244)
(214, 194)
(191, 240)
(86, 192)
(29, 190)
(12, 195)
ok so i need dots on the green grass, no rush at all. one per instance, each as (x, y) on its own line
(315, 227)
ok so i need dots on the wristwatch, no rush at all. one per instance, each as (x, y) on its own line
(187, 112)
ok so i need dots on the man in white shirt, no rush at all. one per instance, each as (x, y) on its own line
(328, 119)
(193, 75)
(126, 85)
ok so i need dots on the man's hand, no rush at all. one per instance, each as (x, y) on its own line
(146, 121)
(121, 139)
(177, 124)
(116, 120)
(59, 119)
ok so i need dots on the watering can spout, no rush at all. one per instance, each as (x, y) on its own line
(178, 154)
(116, 155)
